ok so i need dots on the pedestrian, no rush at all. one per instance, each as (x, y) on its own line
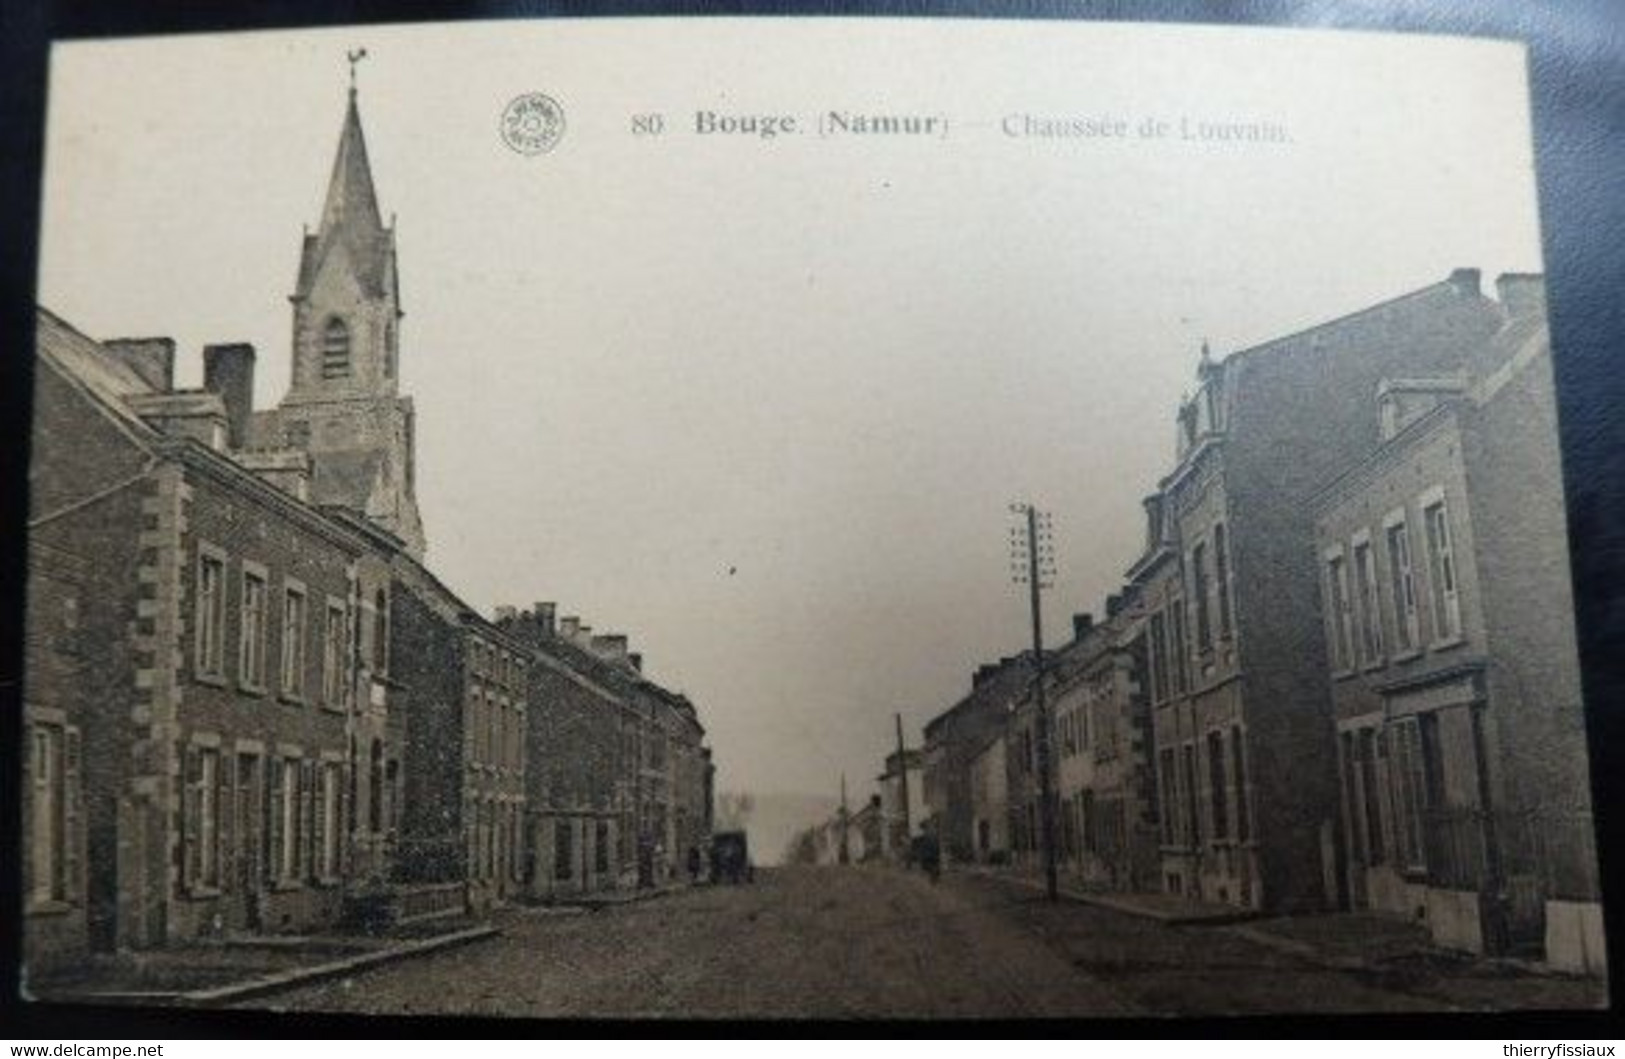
(693, 865)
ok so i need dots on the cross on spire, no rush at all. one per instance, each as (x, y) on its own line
(355, 56)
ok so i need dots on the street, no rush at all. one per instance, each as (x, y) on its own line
(872, 942)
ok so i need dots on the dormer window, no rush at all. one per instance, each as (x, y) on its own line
(335, 350)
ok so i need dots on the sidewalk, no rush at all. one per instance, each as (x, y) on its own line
(1165, 908)
(1384, 951)
(225, 970)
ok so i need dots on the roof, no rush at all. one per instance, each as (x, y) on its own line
(350, 218)
(108, 380)
(345, 477)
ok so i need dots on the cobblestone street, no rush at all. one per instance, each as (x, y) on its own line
(858, 942)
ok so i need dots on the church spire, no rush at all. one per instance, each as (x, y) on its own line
(351, 200)
(350, 215)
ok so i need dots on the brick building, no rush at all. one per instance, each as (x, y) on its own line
(1449, 630)
(1241, 711)
(212, 738)
(461, 685)
(622, 792)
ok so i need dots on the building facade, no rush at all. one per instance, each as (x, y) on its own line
(1105, 786)
(1241, 714)
(954, 737)
(462, 687)
(218, 796)
(1449, 635)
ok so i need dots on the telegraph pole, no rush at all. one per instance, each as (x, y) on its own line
(902, 784)
(1032, 557)
(846, 851)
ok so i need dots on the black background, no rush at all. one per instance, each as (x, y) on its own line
(1577, 59)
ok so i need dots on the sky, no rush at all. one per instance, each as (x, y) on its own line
(762, 403)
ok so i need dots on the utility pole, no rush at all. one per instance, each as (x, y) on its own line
(1032, 556)
(846, 852)
(902, 783)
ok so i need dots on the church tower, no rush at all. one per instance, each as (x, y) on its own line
(343, 405)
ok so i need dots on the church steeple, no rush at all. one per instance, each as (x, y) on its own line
(352, 204)
(343, 405)
(346, 299)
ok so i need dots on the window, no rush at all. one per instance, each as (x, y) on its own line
(1179, 666)
(1199, 579)
(1365, 575)
(1442, 573)
(1091, 822)
(1238, 763)
(201, 823)
(1221, 577)
(333, 642)
(493, 737)
(1159, 658)
(1402, 585)
(1218, 789)
(293, 641)
(211, 614)
(1367, 755)
(1194, 834)
(1337, 582)
(52, 812)
(1410, 787)
(286, 829)
(251, 632)
(328, 823)
(380, 633)
(335, 350)
(375, 788)
(392, 779)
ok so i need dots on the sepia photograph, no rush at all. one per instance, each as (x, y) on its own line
(802, 518)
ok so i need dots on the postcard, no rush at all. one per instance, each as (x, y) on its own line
(800, 518)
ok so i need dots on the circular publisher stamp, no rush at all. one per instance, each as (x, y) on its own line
(532, 123)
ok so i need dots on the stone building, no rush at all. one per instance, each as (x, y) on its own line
(954, 737)
(1449, 631)
(343, 405)
(1241, 711)
(1107, 818)
(203, 693)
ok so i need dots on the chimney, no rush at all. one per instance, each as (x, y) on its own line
(1466, 282)
(506, 613)
(583, 636)
(1114, 603)
(151, 358)
(546, 617)
(228, 370)
(611, 646)
(1081, 624)
(568, 627)
(1522, 294)
(636, 658)
(982, 674)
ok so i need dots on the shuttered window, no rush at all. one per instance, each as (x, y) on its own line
(335, 349)
(53, 809)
